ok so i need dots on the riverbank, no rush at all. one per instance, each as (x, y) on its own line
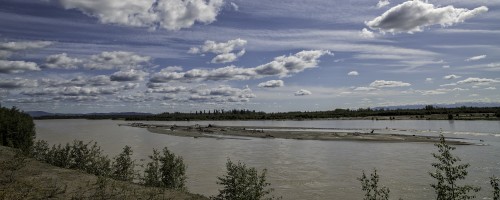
(25, 178)
(240, 132)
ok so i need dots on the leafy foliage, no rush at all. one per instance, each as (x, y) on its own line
(78, 155)
(494, 181)
(242, 183)
(448, 173)
(167, 170)
(17, 129)
(371, 187)
(123, 166)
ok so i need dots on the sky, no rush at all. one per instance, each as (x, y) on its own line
(82, 56)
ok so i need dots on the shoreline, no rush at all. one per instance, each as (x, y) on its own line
(322, 134)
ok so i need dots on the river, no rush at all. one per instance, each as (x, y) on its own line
(301, 169)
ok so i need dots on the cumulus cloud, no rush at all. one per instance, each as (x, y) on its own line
(166, 89)
(365, 33)
(387, 84)
(272, 84)
(473, 80)
(474, 58)
(413, 16)
(62, 61)
(10, 67)
(280, 66)
(16, 83)
(428, 80)
(302, 92)
(446, 66)
(227, 57)
(451, 76)
(382, 3)
(128, 75)
(8, 48)
(223, 93)
(353, 73)
(116, 60)
(224, 50)
(166, 14)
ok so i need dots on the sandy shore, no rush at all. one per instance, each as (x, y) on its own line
(229, 132)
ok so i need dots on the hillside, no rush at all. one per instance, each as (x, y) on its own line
(24, 178)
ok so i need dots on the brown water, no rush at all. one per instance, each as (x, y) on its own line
(300, 169)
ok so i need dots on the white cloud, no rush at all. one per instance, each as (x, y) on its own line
(365, 33)
(235, 6)
(302, 92)
(272, 84)
(62, 61)
(451, 76)
(413, 16)
(167, 14)
(365, 89)
(428, 80)
(280, 66)
(167, 89)
(16, 83)
(382, 3)
(446, 66)
(128, 75)
(222, 47)
(10, 67)
(8, 48)
(172, 69)
(116, 60)
(474, 58)
(385, 84)
(224, 50)
(477, 81)
(490, 88)
(353, 73)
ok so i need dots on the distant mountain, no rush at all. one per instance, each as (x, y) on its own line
(455, 105)
(42, 114)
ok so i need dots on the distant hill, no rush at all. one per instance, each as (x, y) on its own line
(455, 105)
(43, 114)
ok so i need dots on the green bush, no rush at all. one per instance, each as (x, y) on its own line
(167, 170)
(496, 190)
(123, 166)
(371, 188)
(448, 173)
(242, 183)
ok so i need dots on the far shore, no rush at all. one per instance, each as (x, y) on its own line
(240, 132)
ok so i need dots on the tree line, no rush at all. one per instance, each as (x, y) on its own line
(492, 113)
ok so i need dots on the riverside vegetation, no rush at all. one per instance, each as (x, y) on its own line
(166, 171)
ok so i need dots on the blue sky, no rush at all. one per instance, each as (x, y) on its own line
(172, 55)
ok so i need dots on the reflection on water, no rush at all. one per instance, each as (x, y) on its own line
(299, 169)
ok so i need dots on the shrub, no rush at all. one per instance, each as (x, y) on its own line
(242, 183)
(167, 170)
(371, 188)
(448, 172)
(123, 166)
(496, 190)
